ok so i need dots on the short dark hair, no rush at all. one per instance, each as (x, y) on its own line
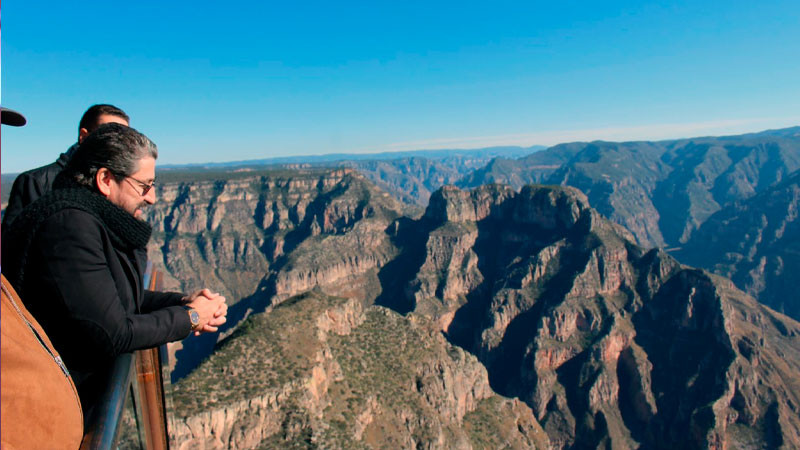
(114, 146)
(92, 115)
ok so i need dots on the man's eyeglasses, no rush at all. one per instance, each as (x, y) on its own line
(145, 186)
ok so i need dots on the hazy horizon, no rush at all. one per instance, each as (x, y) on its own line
(670, 132)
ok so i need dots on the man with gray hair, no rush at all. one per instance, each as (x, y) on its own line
(77, 256)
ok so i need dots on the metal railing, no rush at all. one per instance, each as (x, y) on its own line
(103, 427)
(139, 377)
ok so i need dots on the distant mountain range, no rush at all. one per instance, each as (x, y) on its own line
(409, 175)
(486, 152)
(661, 191)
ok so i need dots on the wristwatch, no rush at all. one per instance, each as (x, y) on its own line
(194, 317)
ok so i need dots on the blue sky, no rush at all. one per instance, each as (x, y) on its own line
(221, 81)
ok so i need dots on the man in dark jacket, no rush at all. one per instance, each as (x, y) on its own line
(77, 256)
(30, 185)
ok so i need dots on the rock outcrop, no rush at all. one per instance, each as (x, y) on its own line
(266, 237)
(262, 237)
(327, 372)
(609, 344)
(532, 295)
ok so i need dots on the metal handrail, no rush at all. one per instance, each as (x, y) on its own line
(103, 428)
(149, 392)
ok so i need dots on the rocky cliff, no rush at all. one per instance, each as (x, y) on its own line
(265, 237)
(262, 237)
(756, 243)
(326, 372)
(602, 343)
(609, 344)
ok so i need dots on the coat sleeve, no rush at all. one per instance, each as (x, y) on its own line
(156, 300)
(23, 192)
(73, 246)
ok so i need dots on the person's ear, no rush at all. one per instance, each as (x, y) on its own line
(82, 133)
(103, 180)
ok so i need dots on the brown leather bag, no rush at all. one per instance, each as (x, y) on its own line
(40, 405)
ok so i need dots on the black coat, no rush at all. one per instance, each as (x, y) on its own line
(30, 185)
(85, 286)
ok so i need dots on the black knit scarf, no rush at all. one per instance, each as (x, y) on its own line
(127, 233)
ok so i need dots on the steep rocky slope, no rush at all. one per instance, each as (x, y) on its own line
(661, 191)
(608, 343)
(712, 173)
(255, 236)
(326, 372)
(619, 179)
(756, 243)
(262, 237)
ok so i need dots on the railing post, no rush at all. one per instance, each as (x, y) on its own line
(150, 394)
(103, 428)
(149, 385)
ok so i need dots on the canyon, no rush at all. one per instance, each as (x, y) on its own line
(357, 324)
(614, 295)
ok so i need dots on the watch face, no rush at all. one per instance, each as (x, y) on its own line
(194, 317)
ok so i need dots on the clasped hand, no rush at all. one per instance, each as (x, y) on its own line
(211, 308)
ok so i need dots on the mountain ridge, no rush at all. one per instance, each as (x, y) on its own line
(554, 300)
(663, 190)
(755, 243)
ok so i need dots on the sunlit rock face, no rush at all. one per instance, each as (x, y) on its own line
(271, 236)
(259, 238)
(522, 314)
(327, 372)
